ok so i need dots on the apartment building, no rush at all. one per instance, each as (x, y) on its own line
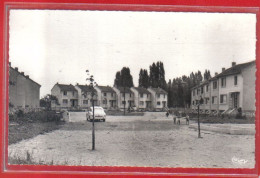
(23, 91)
(233, 88)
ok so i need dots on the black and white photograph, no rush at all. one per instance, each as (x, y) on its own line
(131, 88)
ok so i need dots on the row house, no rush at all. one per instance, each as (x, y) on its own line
(67, 95)
(233, 88)
(23, 91)
(109, 97)
(142, 98)
(85, 96)
(125, 97)
(159, 98)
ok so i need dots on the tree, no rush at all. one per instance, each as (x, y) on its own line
(157, 75)
(47, 100)
(124, 78)
(143, 78)
(117, 81)
(207, 75)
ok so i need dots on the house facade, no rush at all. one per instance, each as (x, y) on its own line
(67, 95)
(23, 91)
(159, 98)
(125, 97)
(142, 98)
(106, 96)
(85, 97)
(233, 88)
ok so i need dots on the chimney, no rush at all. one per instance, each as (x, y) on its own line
(233, 64)
(16, 68)
(27, 76)
(22, 73)
(216, 73)
(223, 69)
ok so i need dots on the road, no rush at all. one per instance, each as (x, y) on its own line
(150, 140)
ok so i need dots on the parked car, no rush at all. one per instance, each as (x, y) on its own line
(99, 113)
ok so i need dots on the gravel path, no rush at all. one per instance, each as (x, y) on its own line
(143, 141)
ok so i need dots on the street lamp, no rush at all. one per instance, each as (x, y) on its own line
(200, 102)
(92, 85)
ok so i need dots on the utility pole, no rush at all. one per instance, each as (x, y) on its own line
(124, 100)
(200, 102)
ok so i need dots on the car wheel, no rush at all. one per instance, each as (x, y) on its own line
(104, 120)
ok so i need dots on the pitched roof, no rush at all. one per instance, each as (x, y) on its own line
(86, 88)
(159, 91)
(234, 70)
(65, 87)
(26, 76)
(124, 89)
(142, 90)
(106, 89)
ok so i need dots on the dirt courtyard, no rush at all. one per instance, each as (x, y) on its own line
(150, 140)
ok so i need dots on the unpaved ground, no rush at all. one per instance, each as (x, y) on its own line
(150, 140)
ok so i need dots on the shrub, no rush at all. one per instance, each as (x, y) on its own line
(41, 116)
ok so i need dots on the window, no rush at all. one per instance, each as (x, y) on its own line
(193, 92)
(215, 85)
(235, 80)
(123, 102)
(206, 100)
(207, 88)
(112, 94)
(104, 101)
(130, 95)
(202, 89)
(223, 82)
(198, 91)
(65, 101)
(141, 103)
(73, 93)
(85, 101)
(123, 94)
(214, 100)
(223, 99)
(147, 95)
(65, 93)
(141, 95)
(163, 95)
(105, 94)
(193, 102)
(158, 95)
(158, 103)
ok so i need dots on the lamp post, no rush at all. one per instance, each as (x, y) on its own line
(200, 102)
(124, 100)
(92, 84)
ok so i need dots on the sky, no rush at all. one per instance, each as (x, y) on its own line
(60, 45)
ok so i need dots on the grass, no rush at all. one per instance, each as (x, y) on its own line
(18, 131)
(121, 113)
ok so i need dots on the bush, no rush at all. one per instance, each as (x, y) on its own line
(42, 116)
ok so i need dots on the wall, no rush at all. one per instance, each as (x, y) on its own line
(249, 88)
(23, 92)
(214, 92)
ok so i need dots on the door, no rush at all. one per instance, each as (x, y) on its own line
(235, 99)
